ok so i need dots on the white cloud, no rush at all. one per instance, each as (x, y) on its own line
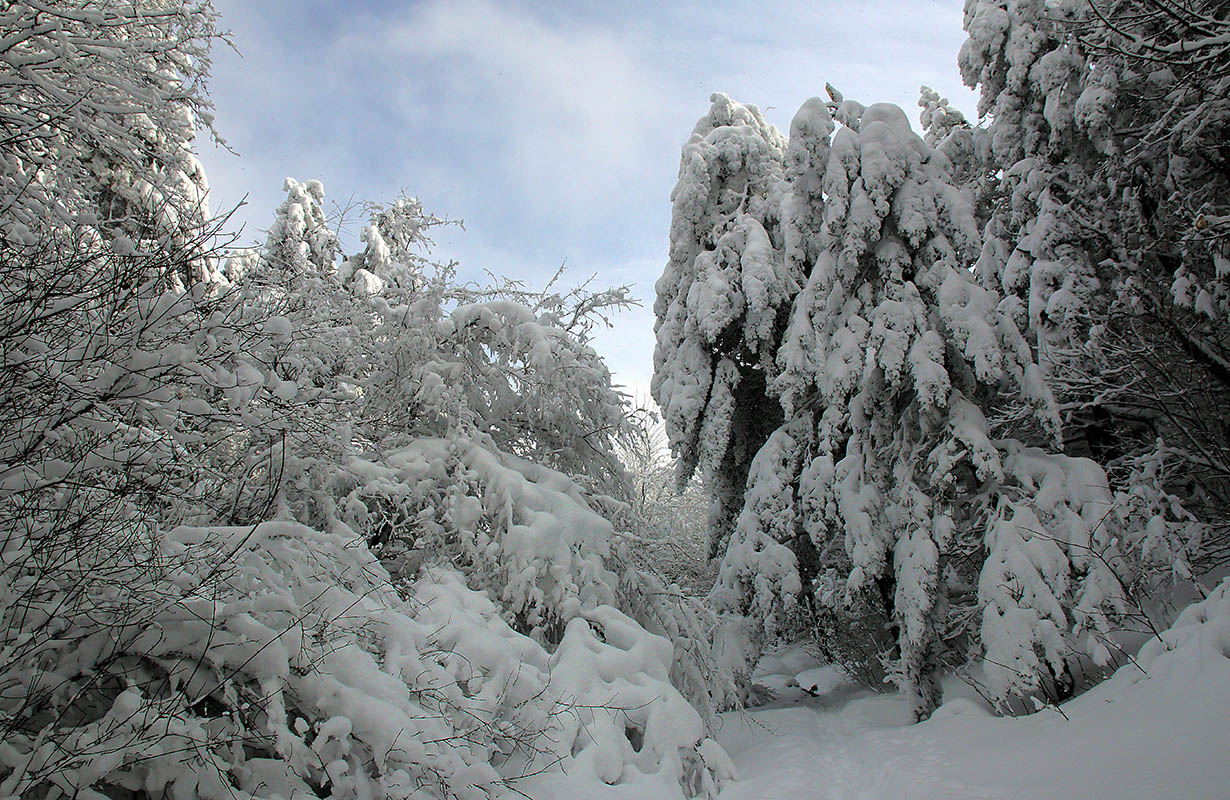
(552, 129)
(559, 105)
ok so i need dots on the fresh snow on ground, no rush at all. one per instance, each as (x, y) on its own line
(1149, 734)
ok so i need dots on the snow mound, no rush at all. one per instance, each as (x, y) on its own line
(524, 530)
(1196, 645)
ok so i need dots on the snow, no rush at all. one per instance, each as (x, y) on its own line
(726, 273)
(364, 691)
(1135, 737)
(439, 596)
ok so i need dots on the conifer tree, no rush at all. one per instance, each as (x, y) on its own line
(720, 303)
(885, 487)
(1104, 236)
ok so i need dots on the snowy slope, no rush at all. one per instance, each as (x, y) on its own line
(1157, 733)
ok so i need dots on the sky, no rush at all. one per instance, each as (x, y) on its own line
(551, 129)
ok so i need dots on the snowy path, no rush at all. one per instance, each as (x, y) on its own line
(861, 750)
(1123, 741)
(1160, 730)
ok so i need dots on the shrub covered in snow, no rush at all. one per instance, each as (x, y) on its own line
(278, 660)
(201, 469)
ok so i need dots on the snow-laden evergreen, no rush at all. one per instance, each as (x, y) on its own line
(1102, 232)
(886, 491)
(720, 301)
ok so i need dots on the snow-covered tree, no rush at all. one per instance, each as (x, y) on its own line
(200, 470)
(720, 303)
(101, 103)
(128, 366)
(300, 241)
(1049, 270)
(885, 489)
(1106, 123)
